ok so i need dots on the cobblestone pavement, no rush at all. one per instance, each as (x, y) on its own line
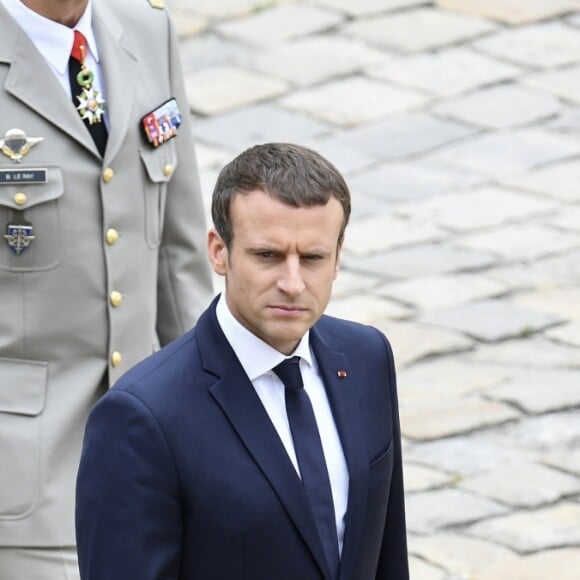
(457, 124)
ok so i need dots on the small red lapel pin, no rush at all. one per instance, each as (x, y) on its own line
(341, 374)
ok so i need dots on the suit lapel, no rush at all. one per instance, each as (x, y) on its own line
(343, 393)
(119, 65)
(236, 396)
(31, 81)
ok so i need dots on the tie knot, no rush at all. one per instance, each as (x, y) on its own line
(79, 49)
(288, 372)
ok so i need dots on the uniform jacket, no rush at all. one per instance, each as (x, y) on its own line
(183, 476)
(58, 325)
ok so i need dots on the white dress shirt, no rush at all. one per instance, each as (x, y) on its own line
(258, 359)
(54, 41)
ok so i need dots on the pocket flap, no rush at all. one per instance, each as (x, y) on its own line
(160, 162)
(34, 193)
(22, 386)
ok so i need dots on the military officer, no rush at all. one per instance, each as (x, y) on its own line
(102, 239)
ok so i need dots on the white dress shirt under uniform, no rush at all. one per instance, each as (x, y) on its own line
(258, 359)
(55, 41)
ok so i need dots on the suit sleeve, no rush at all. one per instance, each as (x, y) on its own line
(393, 559)
(184, 279)
(128, 513)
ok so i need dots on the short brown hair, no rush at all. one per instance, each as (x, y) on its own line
(293, 174)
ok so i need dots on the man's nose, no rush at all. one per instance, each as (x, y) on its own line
(290, 280)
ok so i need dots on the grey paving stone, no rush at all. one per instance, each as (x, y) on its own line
(412, 342)
(421, 478)
(368, 7)
(416, 30)
(562, 83)
(511, 11)
(541, 272)
(527, 485)
(551, 527)
(461, 555)
(540, 391)
(424, 259)
(558, 181)
(490, 320)
(468, 455)
(447, 72)
(567, 122)
(411, 180)
(477, 208)
(446, 378)
(443, 291)
(404, 135)
(354, 100)
(504, 153)
(346, 159)
(560, 300)
(280, 23)
(420, 570)
(215, 90)
(187, 24)
(521, 242)
(566, 460)
(567, 333)
(238, 130)
(352, 284)
(209, 50)
(568, 219)
(432, 510)
(500, 107)
(221, 9)
(317, 58)
(535, 352)
(367, 309)
(564, 562)
(539, 46)
(434, 420)
(384, 232)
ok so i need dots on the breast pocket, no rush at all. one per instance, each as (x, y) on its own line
(381, 468)
(30, 219)
(160, 164)
(22, 399)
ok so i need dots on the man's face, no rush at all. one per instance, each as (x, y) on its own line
(281, 265)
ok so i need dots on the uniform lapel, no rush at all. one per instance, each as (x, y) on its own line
(31, 81)
(119, 65)
(236, 396)
(343, 393)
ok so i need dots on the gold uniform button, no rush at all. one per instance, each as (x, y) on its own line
(108, 174)
(116, 298)
(112, 236)
(20, 198)
(116, 358)
(168, 170)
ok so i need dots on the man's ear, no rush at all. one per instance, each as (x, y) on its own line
(338, 260)
(217, 252)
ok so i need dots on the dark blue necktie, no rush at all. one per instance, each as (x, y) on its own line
(311, 462)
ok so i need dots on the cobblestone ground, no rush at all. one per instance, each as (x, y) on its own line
(457, 124)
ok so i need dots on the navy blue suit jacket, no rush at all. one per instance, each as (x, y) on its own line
(183, 476)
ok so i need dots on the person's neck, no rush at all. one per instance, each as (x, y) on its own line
(67, 12)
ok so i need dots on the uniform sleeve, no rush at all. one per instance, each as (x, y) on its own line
(184, 278)
(128, 513)
(393, 559)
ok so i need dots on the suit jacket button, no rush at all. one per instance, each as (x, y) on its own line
(20, 199)
(108, 175)
(168, 170)
(115, 298)
(112, 236)
(116, 358)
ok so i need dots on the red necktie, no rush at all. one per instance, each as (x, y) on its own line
(85, 98)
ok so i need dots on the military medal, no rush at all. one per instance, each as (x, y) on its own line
(16, 144)
(91, 105)
(19, 235)
(161, 124)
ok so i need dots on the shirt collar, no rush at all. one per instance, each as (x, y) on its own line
(53, 40)
(255, 356)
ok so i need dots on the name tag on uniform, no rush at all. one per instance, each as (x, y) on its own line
(19, 176)
(161, 124)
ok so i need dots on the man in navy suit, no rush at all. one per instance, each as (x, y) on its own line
(263, 444)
